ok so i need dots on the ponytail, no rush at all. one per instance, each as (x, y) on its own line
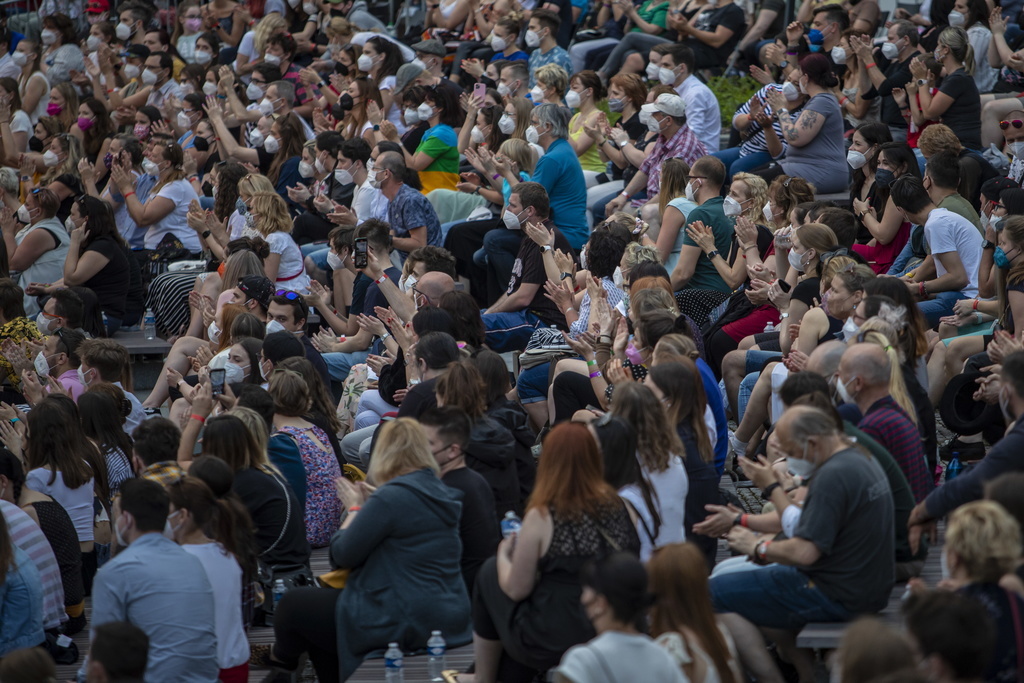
(234, 531)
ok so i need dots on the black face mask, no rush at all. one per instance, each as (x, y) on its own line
(208, 189)
(35, 144)
(342, 106)
(202, 144)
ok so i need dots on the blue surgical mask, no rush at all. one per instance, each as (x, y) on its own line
(1001, 259)
(240, 207)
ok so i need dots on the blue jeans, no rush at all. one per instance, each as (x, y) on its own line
(734, 164)
(532, 384)
(339, 364)
(906, 261)
(743, 396)
(941, 305)
(318, 254)
(775, 597)
(509, 331)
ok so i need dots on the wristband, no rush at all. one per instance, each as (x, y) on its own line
(977, 317)
(743, 520)
(592, 363)
(128, 194)
(14, 419)
(844, 100)
(872, 65)
(200, 418)
(922, 291)
(567, 309)
(354, 508)
(766, 494)
(624, 193)
(382, 279)
(761, 552)
(595, 374)
(974, 306)
(495, 176)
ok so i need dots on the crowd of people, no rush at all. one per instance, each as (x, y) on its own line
(484, 304)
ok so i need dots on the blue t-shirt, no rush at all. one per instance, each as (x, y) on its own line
(555, 55)
(559, 171)
(284, 454)
(517, 56)
(714, 398)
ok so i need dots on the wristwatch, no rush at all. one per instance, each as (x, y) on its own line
(988, 245)
(712, 254)
(205, 234)
(767, 493)
(922, 81)
(784, 63)
(546, 247)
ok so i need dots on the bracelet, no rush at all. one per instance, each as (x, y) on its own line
(128, 194)
(193, 178)
(564, 275)
(922, 291)
(354, 508)
(974, 306)
(624, 193)
(761, 552)
(748, 247)
(385, 336)
(495, 176)
(766, 494)
(382, 279)
(843, 100)
(872, 65)
(200, 418)
(567, 309)
(595, 374)
(14, 419)
(604, 336)
(592, 363)
(977, 317)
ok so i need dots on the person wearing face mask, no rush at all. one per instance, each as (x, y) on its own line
(513, 318)
(60, 355)
(500, 44)
(694, 269)
(957, 103)
(702, 112)
(16, 130)
(888, 231)
(541, 36)
(36, 242)
(281, 49)
(168, 585)
(331, 181)
(132, 23)
(437, 156)
(381, 60)
(127, 149)
(159, 40)
(513, 81)
(158, 81)
(899, 49)
(32, 82)
(836, 565)
(584, 94)
(1013, 139)
(188, 29)
(973, 17)
(871, 378)
(61, 54)
(412, 218)
(105, 360)
(666, 116)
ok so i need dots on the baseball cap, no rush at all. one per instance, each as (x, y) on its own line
(993, 187)
(257, 287)
(97, 6)
(431, 46)
(407, 73)
(136, 50)
(668, 103)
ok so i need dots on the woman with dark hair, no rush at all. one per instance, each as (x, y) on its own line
(586, 92)
(863, 159)
(96, 131)
(61, 54)
(437, 156)
(816, 150)
(380, 60)
(526, 602)
(103, 420)
(100, 261)
(888, 231)
(145, 118)
(321, 410)
(615, 598)
(467, 324)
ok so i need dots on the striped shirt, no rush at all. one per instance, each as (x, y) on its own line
(755, 141)
(888, 424)
(27, 535)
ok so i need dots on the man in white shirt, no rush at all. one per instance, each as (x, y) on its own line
(951, 272)
(8, 69)
(105, 360)
(158, 74)
(702, 113)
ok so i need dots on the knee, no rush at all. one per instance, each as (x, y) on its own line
(633, 63)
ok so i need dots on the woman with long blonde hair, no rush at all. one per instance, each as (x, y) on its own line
(271, 221)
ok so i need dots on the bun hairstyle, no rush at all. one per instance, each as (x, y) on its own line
(818, 69)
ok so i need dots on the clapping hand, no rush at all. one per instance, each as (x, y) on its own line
(701, 235)
(299, 194)
(616, 373)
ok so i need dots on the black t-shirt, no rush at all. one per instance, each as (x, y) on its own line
(112, 282)
(314, 357)
(779, 22)
(529, 269)
(419, 400)
(731, 16)
(807, 290)
(478, 528)
(897, 75)
(264, 497)
(964, 115)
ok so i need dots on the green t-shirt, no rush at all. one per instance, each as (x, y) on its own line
(705, 276)
(960, 206)
(653, 13)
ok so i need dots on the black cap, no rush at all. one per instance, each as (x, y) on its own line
(278, 346)
(993, 187)
(136, 50)
(257, 287)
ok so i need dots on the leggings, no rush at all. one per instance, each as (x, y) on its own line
(571, 392)
(305, 622)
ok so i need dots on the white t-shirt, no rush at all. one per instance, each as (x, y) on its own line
(247, 48)
(614, 656)
(76, 502)
(236, 224)
(947, 232)
(291, 273)
(20, 123)
(226, 580)
(394, 111)
(181, 193)
(363, 200)
(669, 488)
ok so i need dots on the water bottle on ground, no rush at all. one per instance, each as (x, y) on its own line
(435, 652)
(510, 524)
(149, 324)
(393, 672)
(954, 467)
(278, 592)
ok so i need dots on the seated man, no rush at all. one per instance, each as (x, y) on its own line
(513, 318)
(64, 309)
(951, 272)
(840, 560)
(155, 451)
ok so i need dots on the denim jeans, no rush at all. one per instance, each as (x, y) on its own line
(905, 261)
(339, 364)
(532, 384)
(735, 164)
(510, 331)
(775, 597)
(743, 396)
(941, 305)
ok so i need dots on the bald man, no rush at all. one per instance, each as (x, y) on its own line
(839, 561)
(864, 378)
(429, 289)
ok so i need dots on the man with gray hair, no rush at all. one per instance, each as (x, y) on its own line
(559, 171)
(414, 222)
(864, 378)
(280, 99)
(839, 562)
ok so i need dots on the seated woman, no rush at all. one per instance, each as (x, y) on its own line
(863, 159)
(291, 402)
(889, 233)
(552, 82)
(279, 153)
(526, 600)
(271, 222)
(585, 93)
(615, 597)
(437, 156)
(36, 243)
(402, 554)
(957, 101)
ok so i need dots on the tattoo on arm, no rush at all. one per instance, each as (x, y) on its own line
(808, 119)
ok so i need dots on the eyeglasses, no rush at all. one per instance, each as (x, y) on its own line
(288, 294)
(1016, 123)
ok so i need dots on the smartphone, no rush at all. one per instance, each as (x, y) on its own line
(480, 91)
(217, 381)
(359, 255)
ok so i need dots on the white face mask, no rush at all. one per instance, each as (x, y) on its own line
(731, 207)
(131, 71)
(802, 87)
(253, 92)
(652, 71)
(150, 167)
(498, 44)
(796, 261)
(334, 261)
(234, 373)
(1016, 148)
(532, 136)
(118, 534)
(50, 158)
(213, 332)
(123, 31)
(375, 180)
(48, 36)
(183, 120)
(365, 62)
(203, 57)
(82, 378)
(843, 388)
(504, 90)
(855, 159)
(476, 135)
(43, 323)
(272, 144)
(766, 211)
(41, 365)
(309, 8)
(653, 124)
(412, 116)
(273, 60)
(666, 76)
(838, 55)
(209, 88)
(532, 39)
(572, 99)
(957, 18)
(24, 215)
(407, 283)
(425, 111)
(69, 224)
(342, 176)
(800, 468)
(890, 50)
(92, 43)
(149, 77)
(274, 326)
(506, 124)
(690, 192)
(790, 91)
(850, 329)
(536, 94)
(266, 106)
(511, 220)
(306, 170)
(20, 58)
(255, 138)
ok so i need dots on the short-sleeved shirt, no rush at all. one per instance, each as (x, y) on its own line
(683, 145)
(528, 268)
(441, 144)
(293, 77)
(946, 233)
(848, 516)
(652, 12)
(705, 276)
(181, 193)
(964, 115)
(560, 173)
(291, 271)
(112, 282)
(961, 207)
(730, 16)
(410, 210)
(822, 161)
(555, 55)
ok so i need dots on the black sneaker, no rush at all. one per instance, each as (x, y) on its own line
(152, 412)
(967, 451)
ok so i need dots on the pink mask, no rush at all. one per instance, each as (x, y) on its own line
(193, 24)
(53, 109)
(84, 123)
(633, 354)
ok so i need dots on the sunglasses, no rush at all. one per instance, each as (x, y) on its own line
(1016, 123)
(288, 294)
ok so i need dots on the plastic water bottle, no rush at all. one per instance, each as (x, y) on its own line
(770, 327)
(954, 467)
(435, 652)
(511, 524)
(149, 324)
(278, 592)
(393, 672)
